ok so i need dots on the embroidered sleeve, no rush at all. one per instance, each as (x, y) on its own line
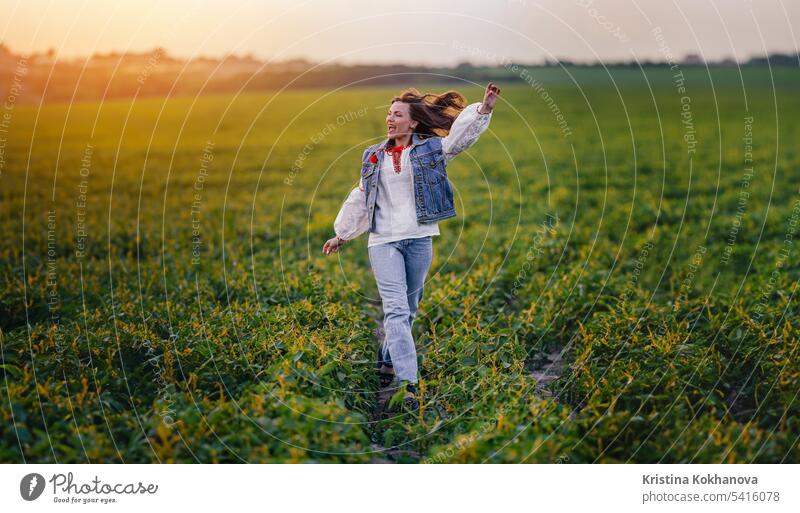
(352, 219)
(466, 129)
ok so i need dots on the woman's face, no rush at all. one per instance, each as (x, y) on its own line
(398, 120)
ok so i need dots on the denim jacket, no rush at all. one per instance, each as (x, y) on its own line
(433, 192)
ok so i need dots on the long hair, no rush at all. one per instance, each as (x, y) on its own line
(434, 113)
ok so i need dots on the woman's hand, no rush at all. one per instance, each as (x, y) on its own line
(332, 245)
(489, 98)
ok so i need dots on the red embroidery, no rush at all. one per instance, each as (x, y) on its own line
(396, 153)
(373, 158)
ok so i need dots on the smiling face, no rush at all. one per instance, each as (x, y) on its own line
(398, 120)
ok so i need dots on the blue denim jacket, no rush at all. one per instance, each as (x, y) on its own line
(433, 193)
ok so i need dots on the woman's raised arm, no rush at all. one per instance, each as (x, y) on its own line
(470, 124)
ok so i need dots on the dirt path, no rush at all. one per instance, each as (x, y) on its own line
(546, 368)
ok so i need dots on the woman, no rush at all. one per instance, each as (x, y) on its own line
(403, 193)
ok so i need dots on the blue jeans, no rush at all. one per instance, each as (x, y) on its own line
(400, 268)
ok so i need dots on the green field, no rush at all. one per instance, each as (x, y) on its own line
(165, 297)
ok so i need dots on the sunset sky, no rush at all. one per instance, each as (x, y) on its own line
(443, 32)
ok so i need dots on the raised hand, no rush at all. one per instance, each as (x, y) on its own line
(489, 98)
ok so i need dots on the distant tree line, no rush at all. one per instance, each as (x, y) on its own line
(45, 77)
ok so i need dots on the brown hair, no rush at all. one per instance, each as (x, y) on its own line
(434, 113)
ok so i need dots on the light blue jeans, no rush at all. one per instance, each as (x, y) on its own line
(400, 268)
